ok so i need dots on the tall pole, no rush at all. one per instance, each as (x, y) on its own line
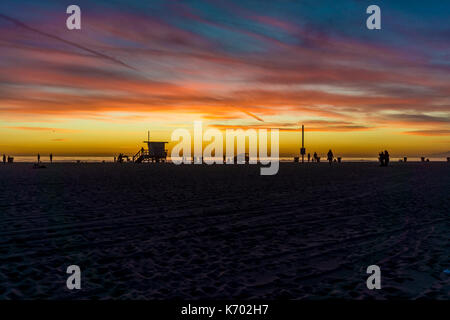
(148, 135)
(303, 142)
(302, 150)
(303, 136)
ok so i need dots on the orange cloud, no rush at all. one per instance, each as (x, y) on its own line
(429, 132)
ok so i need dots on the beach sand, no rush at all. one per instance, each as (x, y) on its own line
(224, 232)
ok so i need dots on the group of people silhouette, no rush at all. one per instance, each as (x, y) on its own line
(316, 158)
(383, 157)
(39, 158)
(121, 158)
(7, 159)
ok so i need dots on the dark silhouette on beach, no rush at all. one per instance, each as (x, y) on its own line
(383, 157)
(121, 158)
(330, 156)
(4, 159)
(51, 158)
(309, 157)
(38, 165)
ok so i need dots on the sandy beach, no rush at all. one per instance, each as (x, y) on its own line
(221, 232)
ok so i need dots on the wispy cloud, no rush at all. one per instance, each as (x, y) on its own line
(428, 132)
(55, 130)
(76, 45)
(296, 127)
(225, 61)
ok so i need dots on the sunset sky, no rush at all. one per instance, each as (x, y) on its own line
(160, 65)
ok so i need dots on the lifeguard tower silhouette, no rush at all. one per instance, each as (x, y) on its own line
(156, 152)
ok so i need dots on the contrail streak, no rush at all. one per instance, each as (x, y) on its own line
(251, 115)
(96, 53)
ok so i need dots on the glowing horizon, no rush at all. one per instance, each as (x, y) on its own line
(160, 65)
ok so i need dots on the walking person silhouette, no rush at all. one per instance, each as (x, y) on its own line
(4, 159)
(51, 158)
(39, 158)
(381, 158)
(330, 156)
(386, 158)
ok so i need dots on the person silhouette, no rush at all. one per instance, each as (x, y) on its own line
(330, 156)
(309, 156)
(386, 158)
(315, 156)
(51, 158)
(381, 158)
(39, 158)
(4, 159)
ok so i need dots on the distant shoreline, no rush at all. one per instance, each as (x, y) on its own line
(87, 159)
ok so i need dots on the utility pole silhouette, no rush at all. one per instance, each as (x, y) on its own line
(303, 150)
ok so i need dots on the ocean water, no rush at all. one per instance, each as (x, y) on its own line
(67, 159)
(98, 159)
